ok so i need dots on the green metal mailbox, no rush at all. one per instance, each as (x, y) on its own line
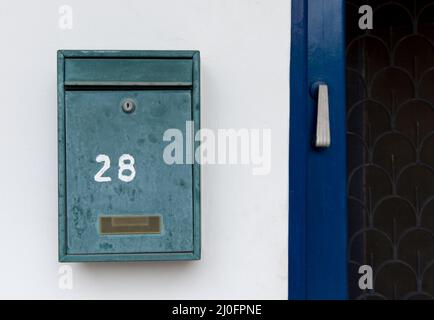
(120, 199)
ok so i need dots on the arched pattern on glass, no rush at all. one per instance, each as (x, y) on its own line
(390, 131)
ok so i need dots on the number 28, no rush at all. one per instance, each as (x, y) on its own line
(126, 163)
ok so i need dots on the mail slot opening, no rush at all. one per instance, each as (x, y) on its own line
(130, 225)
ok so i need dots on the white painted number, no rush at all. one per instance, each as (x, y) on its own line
(105, 167)
(126, 163)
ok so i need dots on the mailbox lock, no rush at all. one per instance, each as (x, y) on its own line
(128, 106)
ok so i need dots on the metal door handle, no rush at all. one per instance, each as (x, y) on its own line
(322, 139)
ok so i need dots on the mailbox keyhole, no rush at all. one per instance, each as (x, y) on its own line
(128, 106)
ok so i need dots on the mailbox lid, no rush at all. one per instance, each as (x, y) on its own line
(90, 102)
(128, 71)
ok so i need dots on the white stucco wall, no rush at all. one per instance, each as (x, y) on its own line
(244, 48)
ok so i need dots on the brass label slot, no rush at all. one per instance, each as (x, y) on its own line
(130, 224)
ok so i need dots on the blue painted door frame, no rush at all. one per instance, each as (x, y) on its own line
(317, 178)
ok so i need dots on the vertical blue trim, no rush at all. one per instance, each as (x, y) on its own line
(317, 193)
(298, 149)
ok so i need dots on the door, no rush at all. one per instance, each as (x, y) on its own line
(367, 200)
(98, 129)
(317, 199)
